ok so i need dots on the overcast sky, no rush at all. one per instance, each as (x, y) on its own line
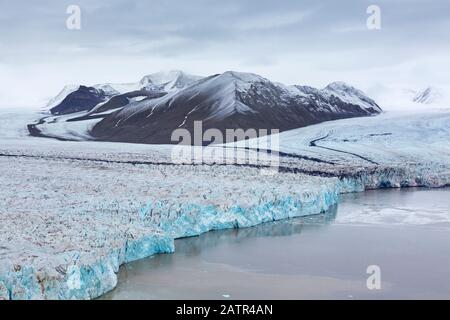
(290, 41)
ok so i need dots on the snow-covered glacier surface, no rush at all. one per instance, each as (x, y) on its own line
(64, 232)
(394, 149)
(72, 212)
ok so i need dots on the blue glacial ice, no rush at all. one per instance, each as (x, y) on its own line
(89, 216)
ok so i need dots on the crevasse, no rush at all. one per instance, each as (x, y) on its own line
(90, 280)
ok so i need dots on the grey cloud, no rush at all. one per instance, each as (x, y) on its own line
(327, 38)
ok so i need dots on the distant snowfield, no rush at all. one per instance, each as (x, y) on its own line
(71, 212)
(412, 99)
(390, 138)
(13, 122)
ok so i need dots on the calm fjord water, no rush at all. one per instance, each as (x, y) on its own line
(404, 232)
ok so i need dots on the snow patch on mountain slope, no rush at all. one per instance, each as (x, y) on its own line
(108, 89)
(223, 101)
(119, 88)
(58, 127)
(350, 95)
(169, 80)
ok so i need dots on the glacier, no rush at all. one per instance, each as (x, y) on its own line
(72, 212)
(139, 230)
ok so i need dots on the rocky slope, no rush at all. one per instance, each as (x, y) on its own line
(152, 109)
(232, 100)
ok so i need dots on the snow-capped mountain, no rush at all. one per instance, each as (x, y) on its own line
(232, 100)
(350, 95)
(430, 95)
(408, 97)
(75, 98)
(82, 99)
(168, 81)
(61, 96)
(150, 110)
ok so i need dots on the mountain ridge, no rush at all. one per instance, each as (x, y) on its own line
(163, 102)
(232, 100)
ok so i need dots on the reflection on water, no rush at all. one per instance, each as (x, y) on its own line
(284, 228)
(319, 256)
